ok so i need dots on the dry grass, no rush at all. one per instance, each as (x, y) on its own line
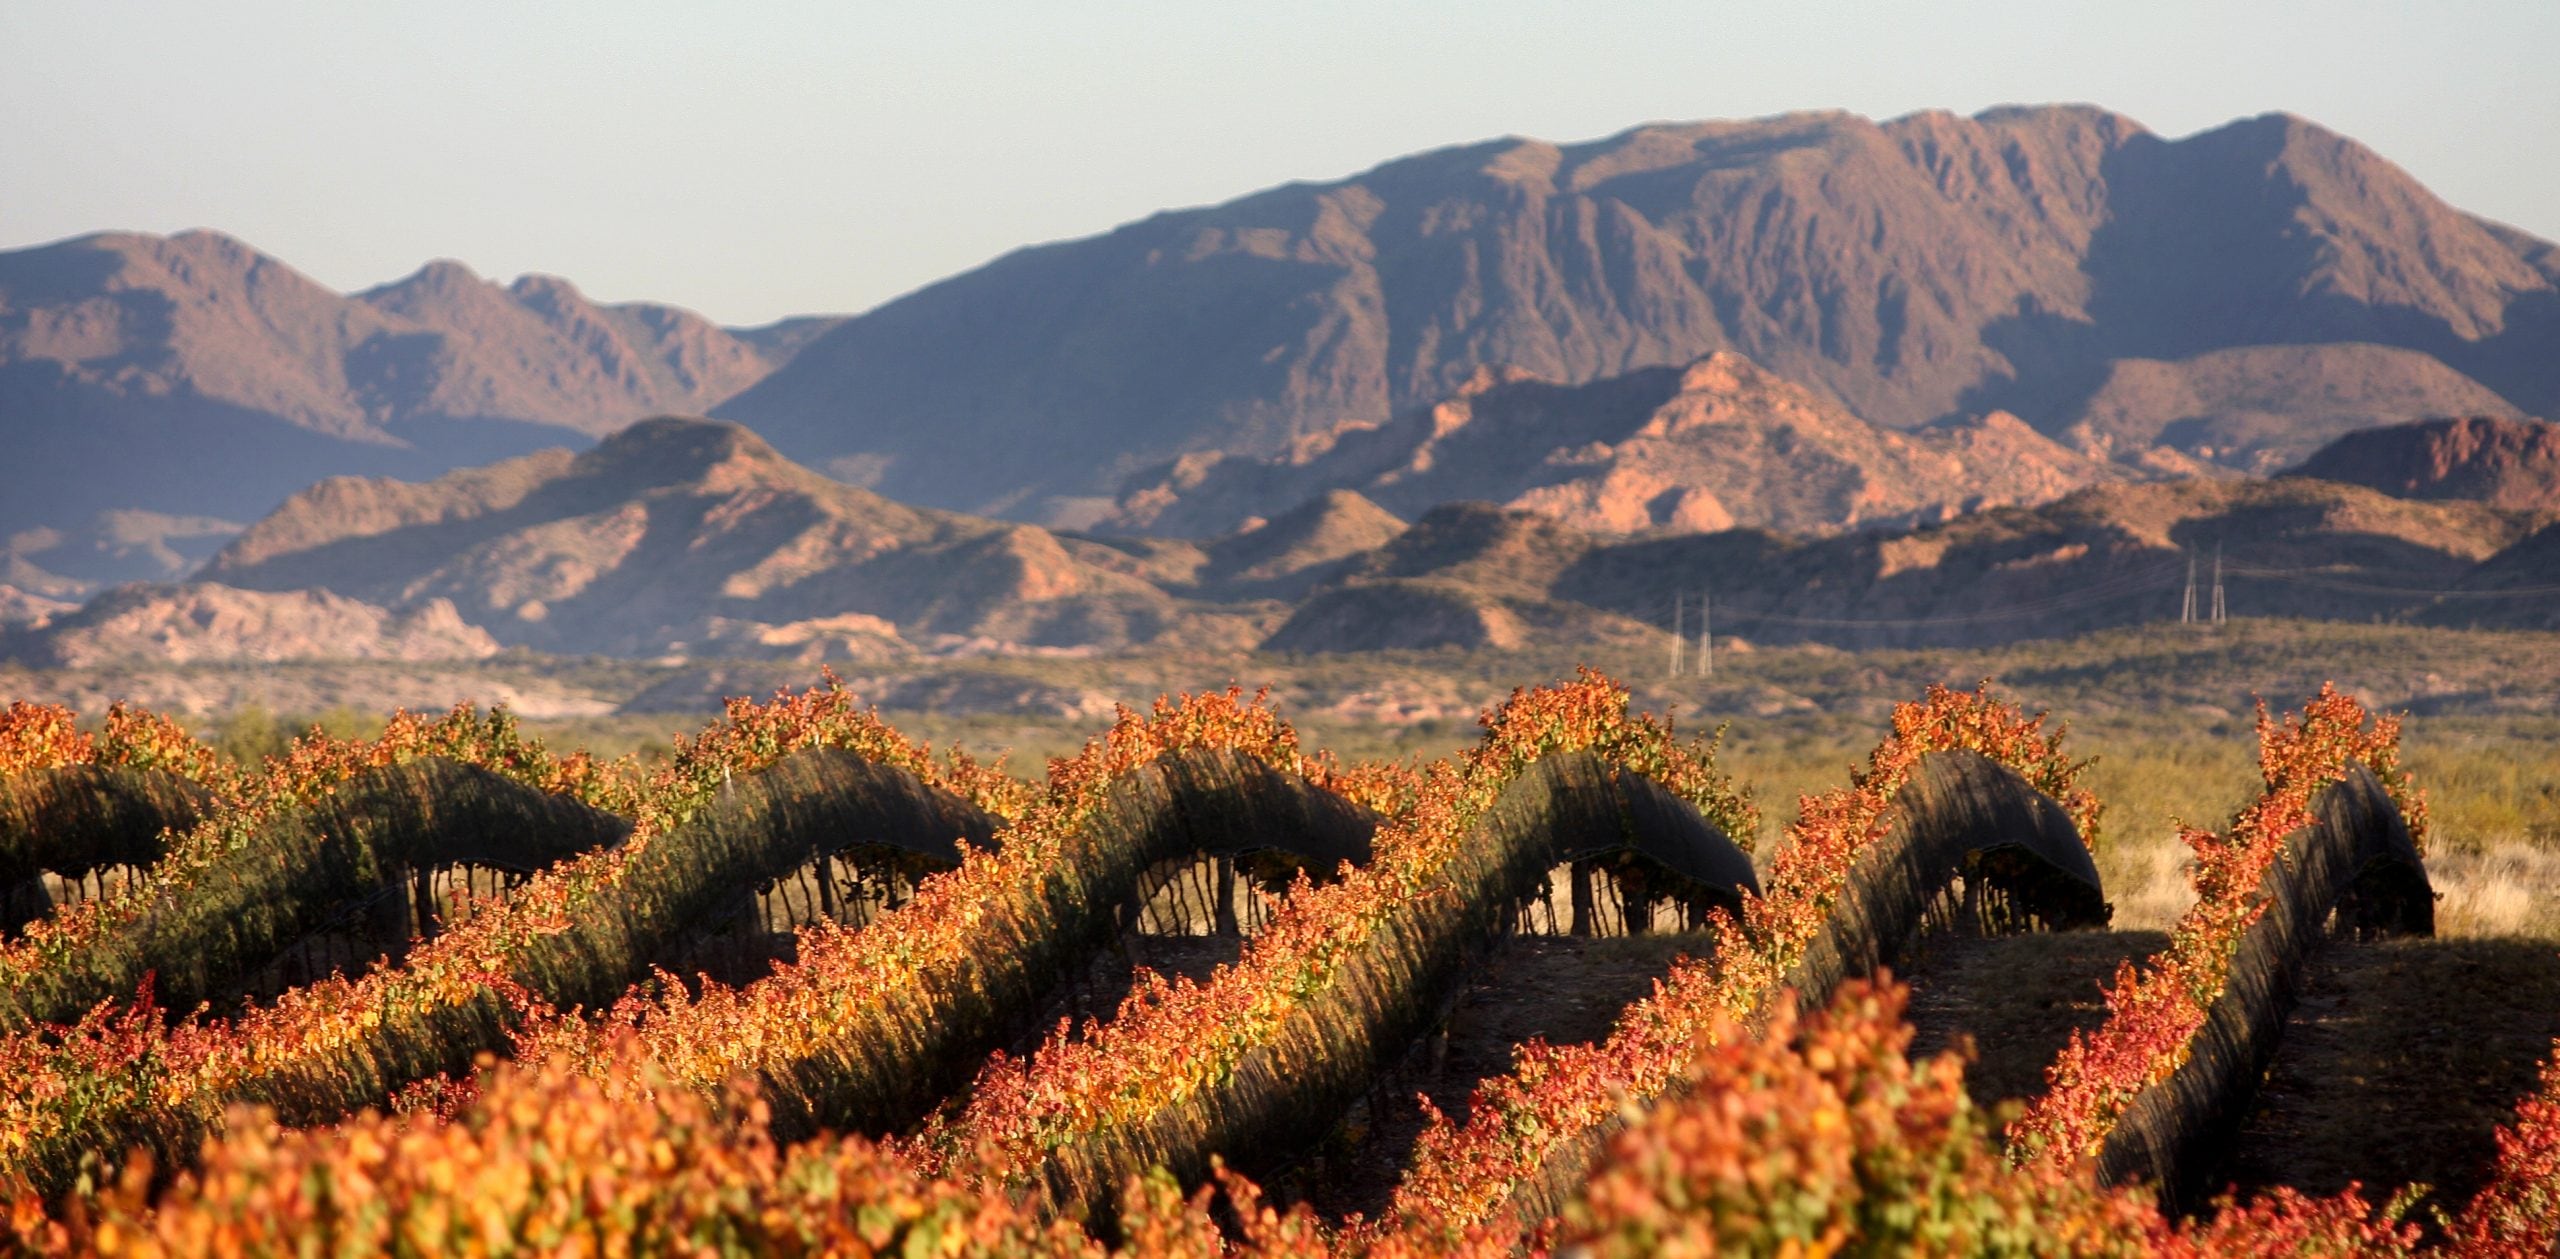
(1780, 771)
(2501, 889)
(2488, 787)
(2495, 796)
(2151, 786)
(2146, 881)
(2495, 855)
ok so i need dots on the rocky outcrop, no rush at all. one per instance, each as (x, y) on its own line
(1716, 445)
(2514, 464)
(203, 622)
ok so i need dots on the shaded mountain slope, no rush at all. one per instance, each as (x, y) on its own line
(1912, 270)
(192, 374)
(2519, 588)
(1282, 557)
(2258, 407)
(683, 535)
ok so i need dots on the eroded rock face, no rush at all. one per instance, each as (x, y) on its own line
(2513, 464)
(1719, 444)
(202, 621)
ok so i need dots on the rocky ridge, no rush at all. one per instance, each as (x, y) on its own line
(1718, 444)
(693, 541)
(198, 621)
(2242, 294)
(2513, 464)
(684, 536)
(1472, 575)
(131, 366)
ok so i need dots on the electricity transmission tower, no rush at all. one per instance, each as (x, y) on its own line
(2187, 610)
(2217, 583)
(1706, 640)
(1677, 629)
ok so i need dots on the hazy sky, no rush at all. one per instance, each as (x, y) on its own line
(753, 160)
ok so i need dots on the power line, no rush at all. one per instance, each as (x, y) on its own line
(2313, 577)
(2111, 589)
(2213, 604)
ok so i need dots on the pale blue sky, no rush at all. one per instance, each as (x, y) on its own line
(759, 159)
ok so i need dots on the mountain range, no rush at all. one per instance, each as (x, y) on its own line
(2233, 298)
(683, 536)
(1933, 380)
(695, 539)
(1478, 576)
(1719, 443)
(193, 376)
(2241, 295)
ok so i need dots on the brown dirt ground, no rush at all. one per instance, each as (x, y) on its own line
(2015, 999)
(1568, 990)
(2398, 1065)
